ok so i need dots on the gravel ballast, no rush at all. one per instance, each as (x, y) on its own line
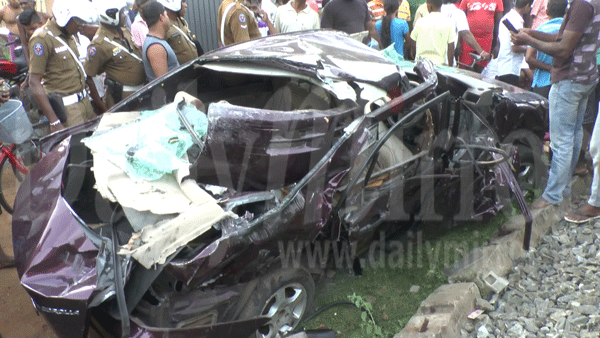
(553, 291)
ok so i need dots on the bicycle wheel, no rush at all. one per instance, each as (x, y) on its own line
(10, 181)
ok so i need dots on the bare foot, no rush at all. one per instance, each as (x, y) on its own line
(540, 203)
(581, 170)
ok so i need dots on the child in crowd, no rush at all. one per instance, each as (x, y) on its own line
(391, 29)
(434, 36)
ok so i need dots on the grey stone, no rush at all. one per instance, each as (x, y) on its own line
(484, 320)
(560, 324)
(594, 320)
(515, 330)
(483, 304)
(577, 320)
(563, 239)
(585, 238)
(469, 326)
(530, 325)
(482, 332)
(588, 309)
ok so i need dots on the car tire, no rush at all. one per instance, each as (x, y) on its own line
(284, 295)
(533, 172)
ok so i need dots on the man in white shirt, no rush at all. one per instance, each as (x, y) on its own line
(263, 19)
(294, 16)
(459, 18)
(433, 36)
(511, 56)
(270, 8)
(462, 29)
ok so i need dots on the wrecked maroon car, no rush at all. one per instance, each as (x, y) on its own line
(168, 216)
(517, 116)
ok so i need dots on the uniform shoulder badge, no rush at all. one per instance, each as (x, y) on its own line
(242, 18)
(38, 49)
(92, 51)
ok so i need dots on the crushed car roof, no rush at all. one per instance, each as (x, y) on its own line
(331, 54)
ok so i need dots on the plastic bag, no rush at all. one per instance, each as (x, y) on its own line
(153, 145)
(391, 54)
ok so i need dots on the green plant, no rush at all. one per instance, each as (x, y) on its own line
(368, 322)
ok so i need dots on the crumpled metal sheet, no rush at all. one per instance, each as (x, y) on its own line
(304, 215)
(250, 149)
(330, 54)
(54, 265)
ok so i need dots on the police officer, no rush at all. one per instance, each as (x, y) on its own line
(112, 51)
(55, 62)
(236, 23)
(179, 36)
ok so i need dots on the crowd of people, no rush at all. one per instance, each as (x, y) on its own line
(547, 46)
(80, 65)
(93, 50)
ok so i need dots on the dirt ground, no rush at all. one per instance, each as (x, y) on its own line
(18, 318)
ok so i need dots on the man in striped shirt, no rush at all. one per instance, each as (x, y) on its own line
(376, 10)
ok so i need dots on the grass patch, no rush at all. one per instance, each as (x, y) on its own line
(387, 288)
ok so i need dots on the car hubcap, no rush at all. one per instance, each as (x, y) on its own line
(526, 178)
(285, 308)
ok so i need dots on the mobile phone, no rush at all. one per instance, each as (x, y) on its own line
(509, 26)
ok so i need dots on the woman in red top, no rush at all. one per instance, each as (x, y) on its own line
(483, 17)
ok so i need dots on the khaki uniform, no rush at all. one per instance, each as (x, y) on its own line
(60, 69)
(119, 59)
(181, 44)
(238, 25)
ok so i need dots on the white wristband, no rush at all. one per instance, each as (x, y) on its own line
(55, 123)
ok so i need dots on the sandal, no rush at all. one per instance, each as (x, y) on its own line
(580, 216)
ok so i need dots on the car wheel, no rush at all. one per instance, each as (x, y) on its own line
(284, 296)
(532, 173)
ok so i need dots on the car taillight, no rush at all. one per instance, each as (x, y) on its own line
(394, 93)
